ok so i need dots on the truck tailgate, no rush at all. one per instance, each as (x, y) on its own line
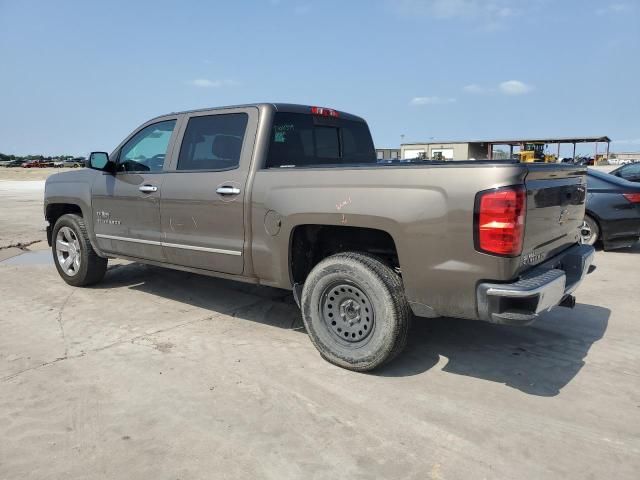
(556, 197)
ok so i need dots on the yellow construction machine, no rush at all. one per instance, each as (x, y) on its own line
(534, 152)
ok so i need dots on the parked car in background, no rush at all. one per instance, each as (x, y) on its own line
(38, 164)
(613, 211)
(13, 163)
(585, 161)
(32, 164)
(629, 171)
(58, 164)
(74, 163)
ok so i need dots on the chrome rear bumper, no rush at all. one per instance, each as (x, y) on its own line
(537, 291)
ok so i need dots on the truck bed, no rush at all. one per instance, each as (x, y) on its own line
(428, 209)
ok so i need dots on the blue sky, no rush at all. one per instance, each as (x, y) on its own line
(78, 76)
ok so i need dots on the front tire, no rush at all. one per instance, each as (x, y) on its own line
(355, 311)
(589, 232)
(76, 261)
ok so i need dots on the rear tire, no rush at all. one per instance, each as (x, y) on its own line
(590, 231)
(355, 311)
(76, 261)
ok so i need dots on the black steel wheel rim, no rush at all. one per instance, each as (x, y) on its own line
(347, 312)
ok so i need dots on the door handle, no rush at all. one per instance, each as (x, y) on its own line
(147, 188)
(228, 190)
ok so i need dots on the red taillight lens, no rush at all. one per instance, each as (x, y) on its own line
(632, 197)
(325, 112)
(500, 221)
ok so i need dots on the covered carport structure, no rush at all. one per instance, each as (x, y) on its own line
(550, 141)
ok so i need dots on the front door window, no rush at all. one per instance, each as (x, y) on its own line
(146, 150)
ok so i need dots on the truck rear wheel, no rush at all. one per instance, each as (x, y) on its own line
(76, 261)
(355, 311)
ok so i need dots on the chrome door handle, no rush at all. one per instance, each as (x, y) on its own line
(228, 190)
(147, 188)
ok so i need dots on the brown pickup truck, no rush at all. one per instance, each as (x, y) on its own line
(293, 197)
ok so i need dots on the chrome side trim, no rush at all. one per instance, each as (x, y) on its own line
(172, 245)
(202, 249)
(127, 239)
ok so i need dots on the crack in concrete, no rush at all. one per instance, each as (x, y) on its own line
(121, 342)
(61, 324)
(24, 246)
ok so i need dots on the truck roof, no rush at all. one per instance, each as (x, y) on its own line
(278, 107)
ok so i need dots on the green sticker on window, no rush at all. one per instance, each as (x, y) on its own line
(280, 132)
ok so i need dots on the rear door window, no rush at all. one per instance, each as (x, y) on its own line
(213, 142)
(304, 140)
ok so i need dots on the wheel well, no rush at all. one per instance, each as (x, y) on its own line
(312, 243)
(55, 211)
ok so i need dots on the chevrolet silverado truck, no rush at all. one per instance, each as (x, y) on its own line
(293, 197)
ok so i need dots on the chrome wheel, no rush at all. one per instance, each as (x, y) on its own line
(68, 251)
(347, 313)
(585, 232)
(589, 231)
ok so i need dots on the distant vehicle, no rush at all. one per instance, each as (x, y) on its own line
(534, 152)
(38, 164)
(584, 161)
(58, 164)
(13, 163)
(626, 161)
(613, 211)
(628, 171)
(73, 163)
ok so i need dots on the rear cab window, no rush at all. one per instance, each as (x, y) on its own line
(305, 140)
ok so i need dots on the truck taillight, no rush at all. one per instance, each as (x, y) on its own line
(632, 197)
(325, 112)
(499, 222)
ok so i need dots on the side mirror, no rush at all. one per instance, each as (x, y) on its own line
(100, 161)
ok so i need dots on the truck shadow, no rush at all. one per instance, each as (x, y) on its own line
(538, 360)
(635, 248)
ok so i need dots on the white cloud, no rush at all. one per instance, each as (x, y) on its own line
(508, 87)
(613, 8)
(206, 83)
(417, 101)
(448, 9)
(475, 89)
(514, 87)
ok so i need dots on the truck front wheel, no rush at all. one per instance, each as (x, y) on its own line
(76, 261)
(355, 311)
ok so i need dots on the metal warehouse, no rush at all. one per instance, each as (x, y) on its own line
(496, 149)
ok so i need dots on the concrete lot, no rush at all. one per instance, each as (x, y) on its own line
(163, 374)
